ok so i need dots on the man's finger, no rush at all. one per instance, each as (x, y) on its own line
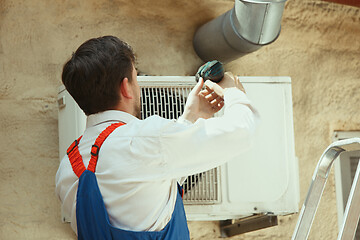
(196, 90)
(216, 101)
(239, 85)
(220, 105)
(217, 107)
(205, 92)
(211, 96)
(215, 87)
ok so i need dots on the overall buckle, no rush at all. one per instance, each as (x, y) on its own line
(72, 147)
(95, 150)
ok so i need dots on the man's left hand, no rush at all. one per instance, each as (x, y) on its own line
(202, 103)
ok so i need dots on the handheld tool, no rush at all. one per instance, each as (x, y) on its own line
(212, 70)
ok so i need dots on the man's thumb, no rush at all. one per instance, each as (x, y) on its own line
(198, 86)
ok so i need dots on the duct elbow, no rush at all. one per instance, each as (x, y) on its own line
(247, 27)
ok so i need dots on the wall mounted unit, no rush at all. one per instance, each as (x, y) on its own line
(265, 180)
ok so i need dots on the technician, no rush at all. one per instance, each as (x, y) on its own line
(120, 179)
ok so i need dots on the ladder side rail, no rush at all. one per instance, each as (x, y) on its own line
(317, 186)
(352, 210)
(315, 192)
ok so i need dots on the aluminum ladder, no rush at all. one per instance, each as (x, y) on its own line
(352, 210)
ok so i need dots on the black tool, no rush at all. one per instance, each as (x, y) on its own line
(213, 70)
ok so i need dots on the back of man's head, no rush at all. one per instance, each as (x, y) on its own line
(94, 73)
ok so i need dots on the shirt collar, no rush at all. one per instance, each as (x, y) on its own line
(108, 116)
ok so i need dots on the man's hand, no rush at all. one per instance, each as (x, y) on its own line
(202, 103)
(228, 81)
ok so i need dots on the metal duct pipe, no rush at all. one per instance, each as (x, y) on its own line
(242, 30)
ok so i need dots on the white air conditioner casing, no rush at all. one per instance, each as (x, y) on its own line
(264, 180)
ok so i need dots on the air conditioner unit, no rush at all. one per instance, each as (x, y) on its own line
(264, 180)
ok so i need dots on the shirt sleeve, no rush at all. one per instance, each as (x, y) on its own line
(192, 148)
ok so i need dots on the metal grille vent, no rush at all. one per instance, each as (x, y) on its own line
(202, 188)
(168, 101)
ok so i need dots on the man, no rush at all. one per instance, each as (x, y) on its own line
(136, 175)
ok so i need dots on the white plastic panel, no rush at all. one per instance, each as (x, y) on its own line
(252, 178)
(266, 179)
(71, 123)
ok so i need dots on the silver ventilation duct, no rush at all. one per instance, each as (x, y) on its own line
(242, 30)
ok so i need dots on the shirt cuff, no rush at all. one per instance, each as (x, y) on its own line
(182, 120)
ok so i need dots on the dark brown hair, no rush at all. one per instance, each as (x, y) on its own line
(94, 73)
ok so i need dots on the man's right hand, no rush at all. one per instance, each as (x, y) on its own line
(228, 81)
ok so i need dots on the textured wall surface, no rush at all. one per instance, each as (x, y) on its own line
(319, 48)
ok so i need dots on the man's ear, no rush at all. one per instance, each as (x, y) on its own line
(125, 89)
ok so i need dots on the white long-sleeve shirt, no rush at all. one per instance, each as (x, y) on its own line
(140, 162)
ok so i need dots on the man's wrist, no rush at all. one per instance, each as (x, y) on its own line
(234, 94)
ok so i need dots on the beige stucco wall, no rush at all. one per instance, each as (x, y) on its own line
(319, 48)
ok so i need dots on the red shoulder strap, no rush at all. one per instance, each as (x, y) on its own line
(75, 157)
(97, 145)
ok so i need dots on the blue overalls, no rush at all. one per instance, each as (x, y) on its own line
(91, 215)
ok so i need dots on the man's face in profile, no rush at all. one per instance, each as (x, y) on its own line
(136, 90)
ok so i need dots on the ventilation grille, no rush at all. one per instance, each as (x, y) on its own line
(202, 188)
(168, 102)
